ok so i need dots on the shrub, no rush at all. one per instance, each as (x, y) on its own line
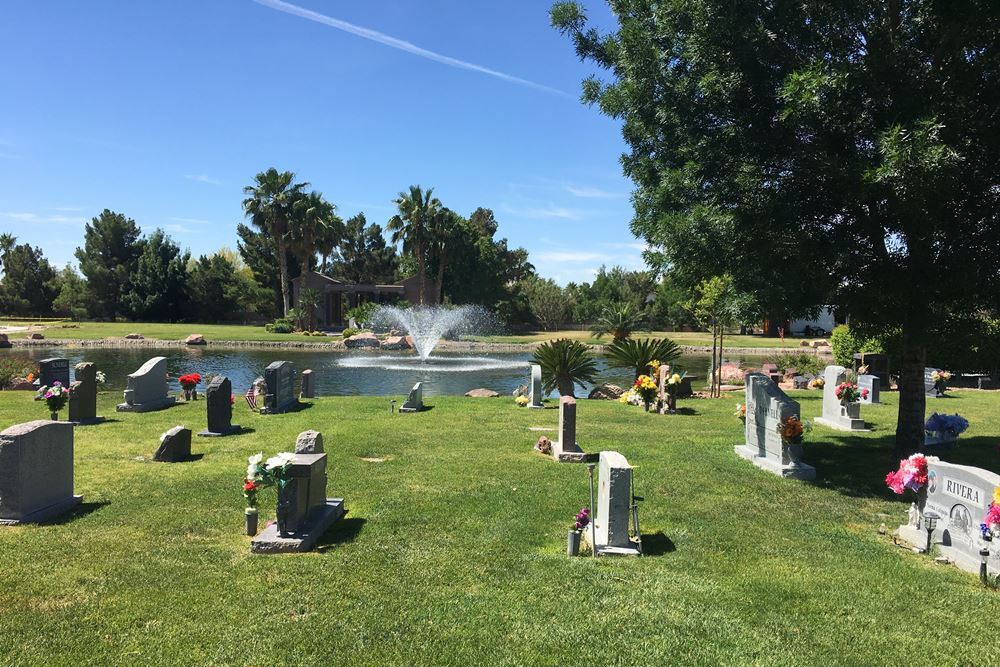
(12, 368)
(845, 344)
(637, 354)
(363, 314)
(348, 332)
(565, 363)
(803, 361)
(280, 325)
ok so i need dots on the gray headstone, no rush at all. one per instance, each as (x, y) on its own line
(566, 449)
(415, 400)
(801, 381)
(146, 389)
(535, 387)
(614, 500)
(961, 496)
(878, 365)
(837, 415)
(308, 384)
(873, 384)
(767, 406)
(83, 395)
(5, 342)
(36, 472)
(53, 370)
(279, 380)
(929, 387)
(219, 404)
(175, 446)
(309, 442)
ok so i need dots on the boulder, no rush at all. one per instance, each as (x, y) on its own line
(22, 384)
(820, 343)
(482, 393)
(396, 343)
(195, 339)
(805, 343)
(309, 442)
(362, 340)
(606, 392)
(134, 336)
(36, 336)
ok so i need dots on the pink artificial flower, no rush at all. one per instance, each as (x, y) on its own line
(864, 393)
(894, 481)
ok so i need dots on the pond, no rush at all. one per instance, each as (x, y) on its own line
(339, 373)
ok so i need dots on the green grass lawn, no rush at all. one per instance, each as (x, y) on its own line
(453, 552)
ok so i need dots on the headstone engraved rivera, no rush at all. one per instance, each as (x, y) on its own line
(930, 389)
(415, 400)
(535, 388)
(36, 472)
(836, 415)
(565, 449)
(146, 389)
(614, 508)
(175, 446)
(219, 404)
(767, 406)
(874, 386)
(961, 496)
(53, 370)
(279, 395)
(310, 512)
(83, 396)
(308, 387)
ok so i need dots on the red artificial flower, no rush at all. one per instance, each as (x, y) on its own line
(249, 486)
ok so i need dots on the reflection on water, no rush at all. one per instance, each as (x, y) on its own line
(338, 373)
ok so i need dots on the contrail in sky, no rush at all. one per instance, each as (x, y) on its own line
(400, 44)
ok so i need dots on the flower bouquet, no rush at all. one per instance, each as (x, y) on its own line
(848, 392)
(55, 398)
(580, 521)
(940, 380)
(944, 429)
(792, 430)
(741, 412)
(912, 475)
(646, 388)
(189, 383)
(817, 383)
(990, 526)
(522, 401)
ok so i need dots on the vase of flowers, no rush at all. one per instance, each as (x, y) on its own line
(251, 514)
(792, 432)
(940, 380)
(277, 468)
(189, 383)
(580, 521)
(943, 430)
(646, 389)
(55, 398)
(674, 388)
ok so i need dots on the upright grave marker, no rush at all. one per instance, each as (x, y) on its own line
(960, 496)
(838, 415)
(308, 387)
(146, 389)
(930, 387)
(219, 404)
(614, 507)
(53, 370)
(279, 380)
(36, 472)
(415, 399)
(767, 406)
(535, 388)
(874, 386)
(175, 446)
(566, 449)
(83, 396)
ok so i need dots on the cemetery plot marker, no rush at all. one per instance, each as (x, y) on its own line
(565, 449)
(767, 406)
(415, 400)
(147, 388)
(837, 415)
(219, 404)
(279, 395)
(83, 396)
(36, 472)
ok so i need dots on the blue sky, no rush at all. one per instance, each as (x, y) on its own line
(164, 111)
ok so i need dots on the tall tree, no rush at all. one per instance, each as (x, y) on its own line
(157, 289)
(7, 243)
(29, 282)
(850, 142)
(313, 220)
(441, 232)
(74, 299)
(363, 256)
(411, 227)
(110, 250)
(269, 205)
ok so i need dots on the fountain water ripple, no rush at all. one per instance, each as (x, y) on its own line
(431, 364)
(429, 324)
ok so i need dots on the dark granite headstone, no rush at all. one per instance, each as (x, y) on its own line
(930, 388)
(175, 446)
(5, 342)
(219, 403)
(83, 396)
(279, 396)
(878, 365)
(52, 370)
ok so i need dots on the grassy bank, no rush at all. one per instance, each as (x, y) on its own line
(453, 550)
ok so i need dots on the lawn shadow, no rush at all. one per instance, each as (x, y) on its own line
(107, 420)
(657, 544)
(78, 512)
(244, 430)
(688, 412)
(342, 532)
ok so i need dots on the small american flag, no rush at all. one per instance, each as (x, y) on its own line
(251, 397)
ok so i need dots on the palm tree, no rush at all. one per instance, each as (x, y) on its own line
(638, 354)
(269, 205)
(313, 219)
(309, 301)
(411, 226)
(7, 242)
(565, 363)
(619, 320)
(328, 237)
(442, 231)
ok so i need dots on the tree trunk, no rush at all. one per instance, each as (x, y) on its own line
(713, 370)
(718, 389)
(912, 401)
(566, 387)
(440, 285)
(286, 292)
(423, 273)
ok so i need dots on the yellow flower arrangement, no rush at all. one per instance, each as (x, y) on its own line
(521, 401)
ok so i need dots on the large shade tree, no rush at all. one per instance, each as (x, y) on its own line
(111, 248)
(362, 255)
(839, 152)
(411, 227)
(269, 204)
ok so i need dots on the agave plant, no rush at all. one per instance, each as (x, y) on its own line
(637, 354)
(618, 320)
(565, 364)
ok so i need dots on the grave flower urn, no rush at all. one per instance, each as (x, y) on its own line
(281, 514)
(573, 543)
(852, 410)
(251, 516)
(794, 452)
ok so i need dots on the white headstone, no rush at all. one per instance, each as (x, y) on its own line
(146, 389)
(960, 496)
(766, 407)
(873, 384)
(535, 388)
(837, 415)
(415, 400)
(614, 505)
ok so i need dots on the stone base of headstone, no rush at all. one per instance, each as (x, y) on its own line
(569, 454)
(844, 424)
(792, 470)
(146, 407)
(304, 539)
(586, 545)
(89, 422)
(46, 513)
(917, 537)
(232, 430)
(288, 407)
